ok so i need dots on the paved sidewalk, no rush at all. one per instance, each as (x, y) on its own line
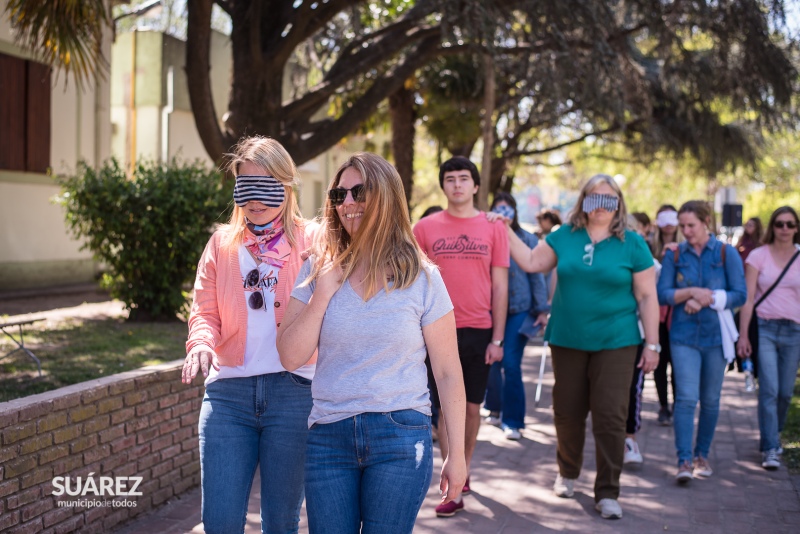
(511, 482)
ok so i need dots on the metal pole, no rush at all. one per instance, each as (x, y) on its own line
(542, 366)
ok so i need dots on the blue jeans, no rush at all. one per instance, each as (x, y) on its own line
(699, 372)
(245, 423)
(368, 473)
(505, 392)
(778, 357)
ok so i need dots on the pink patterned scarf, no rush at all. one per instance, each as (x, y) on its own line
(269, 245)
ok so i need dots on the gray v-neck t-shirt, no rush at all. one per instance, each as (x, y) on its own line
(372, 354)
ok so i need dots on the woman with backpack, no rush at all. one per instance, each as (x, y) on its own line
(703, 280)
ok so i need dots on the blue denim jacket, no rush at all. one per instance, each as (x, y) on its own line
(526, 291)
(704, 270)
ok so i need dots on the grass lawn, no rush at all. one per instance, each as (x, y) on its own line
(77, 350)
(791, 434)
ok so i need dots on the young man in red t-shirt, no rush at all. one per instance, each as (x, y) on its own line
(473, 257)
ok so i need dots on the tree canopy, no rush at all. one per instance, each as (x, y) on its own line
(698, 78)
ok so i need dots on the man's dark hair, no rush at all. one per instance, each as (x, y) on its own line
(641, 217)
(551, 216)
(459, 163)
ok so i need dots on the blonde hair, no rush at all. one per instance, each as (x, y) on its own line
(384, 240)
(273, 159)
(578, 219)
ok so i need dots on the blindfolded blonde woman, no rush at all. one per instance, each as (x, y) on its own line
(254, 411)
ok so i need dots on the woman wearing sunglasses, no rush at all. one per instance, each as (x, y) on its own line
(605, 275)
(703, 280)
(778, 316)
(374, 304)
(254, 411)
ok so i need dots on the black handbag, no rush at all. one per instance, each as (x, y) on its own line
(752, 328)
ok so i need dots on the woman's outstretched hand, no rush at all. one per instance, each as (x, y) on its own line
(197, 361)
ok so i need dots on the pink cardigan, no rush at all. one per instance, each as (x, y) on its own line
(218, 321)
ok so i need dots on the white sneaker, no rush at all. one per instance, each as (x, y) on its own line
(609, 509)
(685, 472)
(564, 487)
(512, 433)
(632, 454)
(772, 460)
(702, 468)
(493, 419)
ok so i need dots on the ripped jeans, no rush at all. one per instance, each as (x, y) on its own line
(368, 473)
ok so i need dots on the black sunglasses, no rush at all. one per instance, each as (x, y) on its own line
(339, 194)
(785, 224)
(251, 281)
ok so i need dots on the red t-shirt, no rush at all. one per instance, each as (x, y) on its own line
(465, 249)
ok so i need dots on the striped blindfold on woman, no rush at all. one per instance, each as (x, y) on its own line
(594, 202)
(265, 189)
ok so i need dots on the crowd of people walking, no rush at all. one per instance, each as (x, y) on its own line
(327, 346)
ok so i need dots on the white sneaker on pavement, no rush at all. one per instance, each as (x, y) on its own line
(609, 509)
(564, 487)
(772, 460)
(702, 468)
(493, 419)
(632, 454)
(512, 433)
(685, 472)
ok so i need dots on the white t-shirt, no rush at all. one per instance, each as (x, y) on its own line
(260, 353)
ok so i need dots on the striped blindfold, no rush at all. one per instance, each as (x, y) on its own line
(264, 189)
(606, 202)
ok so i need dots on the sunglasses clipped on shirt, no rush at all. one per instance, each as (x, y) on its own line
(251, 281)
(588, 258)
(338, 195)
(785, 224)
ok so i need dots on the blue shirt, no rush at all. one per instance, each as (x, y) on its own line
(526, 291)
(701, 270)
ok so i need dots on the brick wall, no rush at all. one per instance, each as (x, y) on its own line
(141, 423)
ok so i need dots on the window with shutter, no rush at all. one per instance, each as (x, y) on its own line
(24, 115)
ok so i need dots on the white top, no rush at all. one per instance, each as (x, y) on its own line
(260, 353)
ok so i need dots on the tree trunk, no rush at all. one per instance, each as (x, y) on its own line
(198, 69)
(488, 132)
(496, 182)
(403, 115)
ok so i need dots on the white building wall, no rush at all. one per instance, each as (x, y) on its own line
(35, 247)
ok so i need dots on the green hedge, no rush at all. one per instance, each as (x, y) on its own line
(149, 229)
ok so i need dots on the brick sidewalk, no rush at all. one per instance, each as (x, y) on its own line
(511, 481)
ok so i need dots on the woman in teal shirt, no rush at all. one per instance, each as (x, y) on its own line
(605, 274)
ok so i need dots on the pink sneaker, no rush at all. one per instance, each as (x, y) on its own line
(465, 491)
(449, 509)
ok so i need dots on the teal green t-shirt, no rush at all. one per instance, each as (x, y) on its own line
(594, 307)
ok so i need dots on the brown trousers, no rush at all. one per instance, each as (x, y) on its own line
(598, 382)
